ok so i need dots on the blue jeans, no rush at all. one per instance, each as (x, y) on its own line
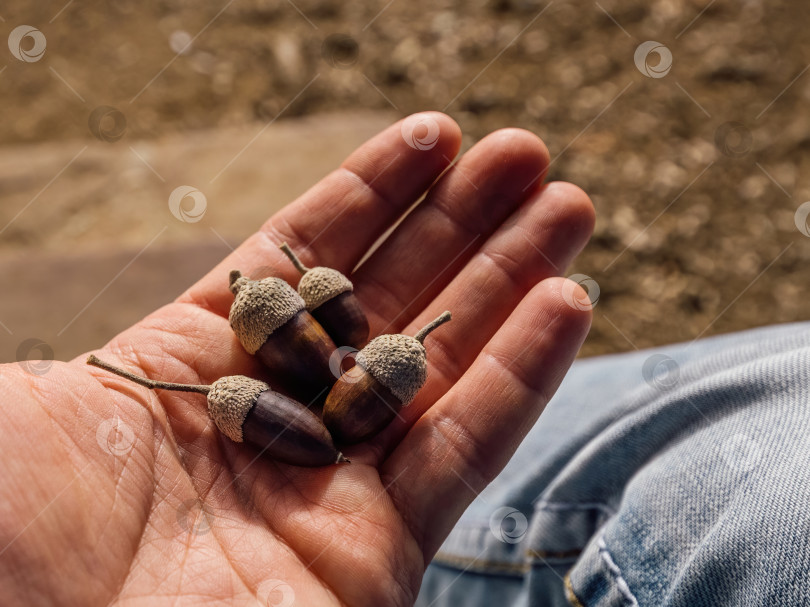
(676, 477)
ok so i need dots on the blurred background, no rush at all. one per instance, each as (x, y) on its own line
(685, 120)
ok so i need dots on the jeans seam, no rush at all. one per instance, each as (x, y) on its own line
(613, 568)
(563, 506)
(483, 566)
(570, 595)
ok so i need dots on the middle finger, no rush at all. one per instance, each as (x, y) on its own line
(437, 239)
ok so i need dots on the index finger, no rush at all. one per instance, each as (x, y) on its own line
(336, 221)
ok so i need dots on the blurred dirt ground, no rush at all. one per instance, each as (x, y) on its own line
(696, 175)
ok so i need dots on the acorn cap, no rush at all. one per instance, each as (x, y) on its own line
(229, 401)
(320, 284)
(260, 307)
(398, 362)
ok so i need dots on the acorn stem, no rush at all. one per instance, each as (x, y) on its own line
(145, 381)
(232, 278)
(423, 333)
(342, 458)
(293, 258)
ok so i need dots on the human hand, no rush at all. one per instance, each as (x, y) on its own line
(113, 493)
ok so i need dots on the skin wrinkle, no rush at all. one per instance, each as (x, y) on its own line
(192, 479)
(384, 312)
(120, 587)
(224, 552)
(273, 236)
(156, 449)
(509, 365)
(116, 493)
(190, 447)
(186, 552)
(199, 300)
(164, 396)
(312, 566)
(158, 369)
(37, 385)
(439, 422)
(465, 225)
(397, 568)
(183, 332)
(464, 443)
(116, 385)
(278, 537)
(379, 197)
(503, 367)
(240, 489)
(410, 585)
(309, 566)
(369, 184)
(380, 303)
(417, 532)
(511, 268)
(204, 343)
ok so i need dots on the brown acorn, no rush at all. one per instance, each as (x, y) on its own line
(271, 321)
(329, 298)
(246, 409)
(388, 373)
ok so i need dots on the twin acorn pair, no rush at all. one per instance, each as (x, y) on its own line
(294, 333)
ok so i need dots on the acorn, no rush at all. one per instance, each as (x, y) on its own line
(387, 374)
(271, 321)
(245, 409)
(329, 298)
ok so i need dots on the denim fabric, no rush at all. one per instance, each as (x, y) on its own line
(676, 477)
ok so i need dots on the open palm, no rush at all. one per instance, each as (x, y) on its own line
(113, 493)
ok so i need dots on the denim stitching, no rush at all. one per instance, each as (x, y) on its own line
(570, 595)
(621, 583)
(478, 565)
